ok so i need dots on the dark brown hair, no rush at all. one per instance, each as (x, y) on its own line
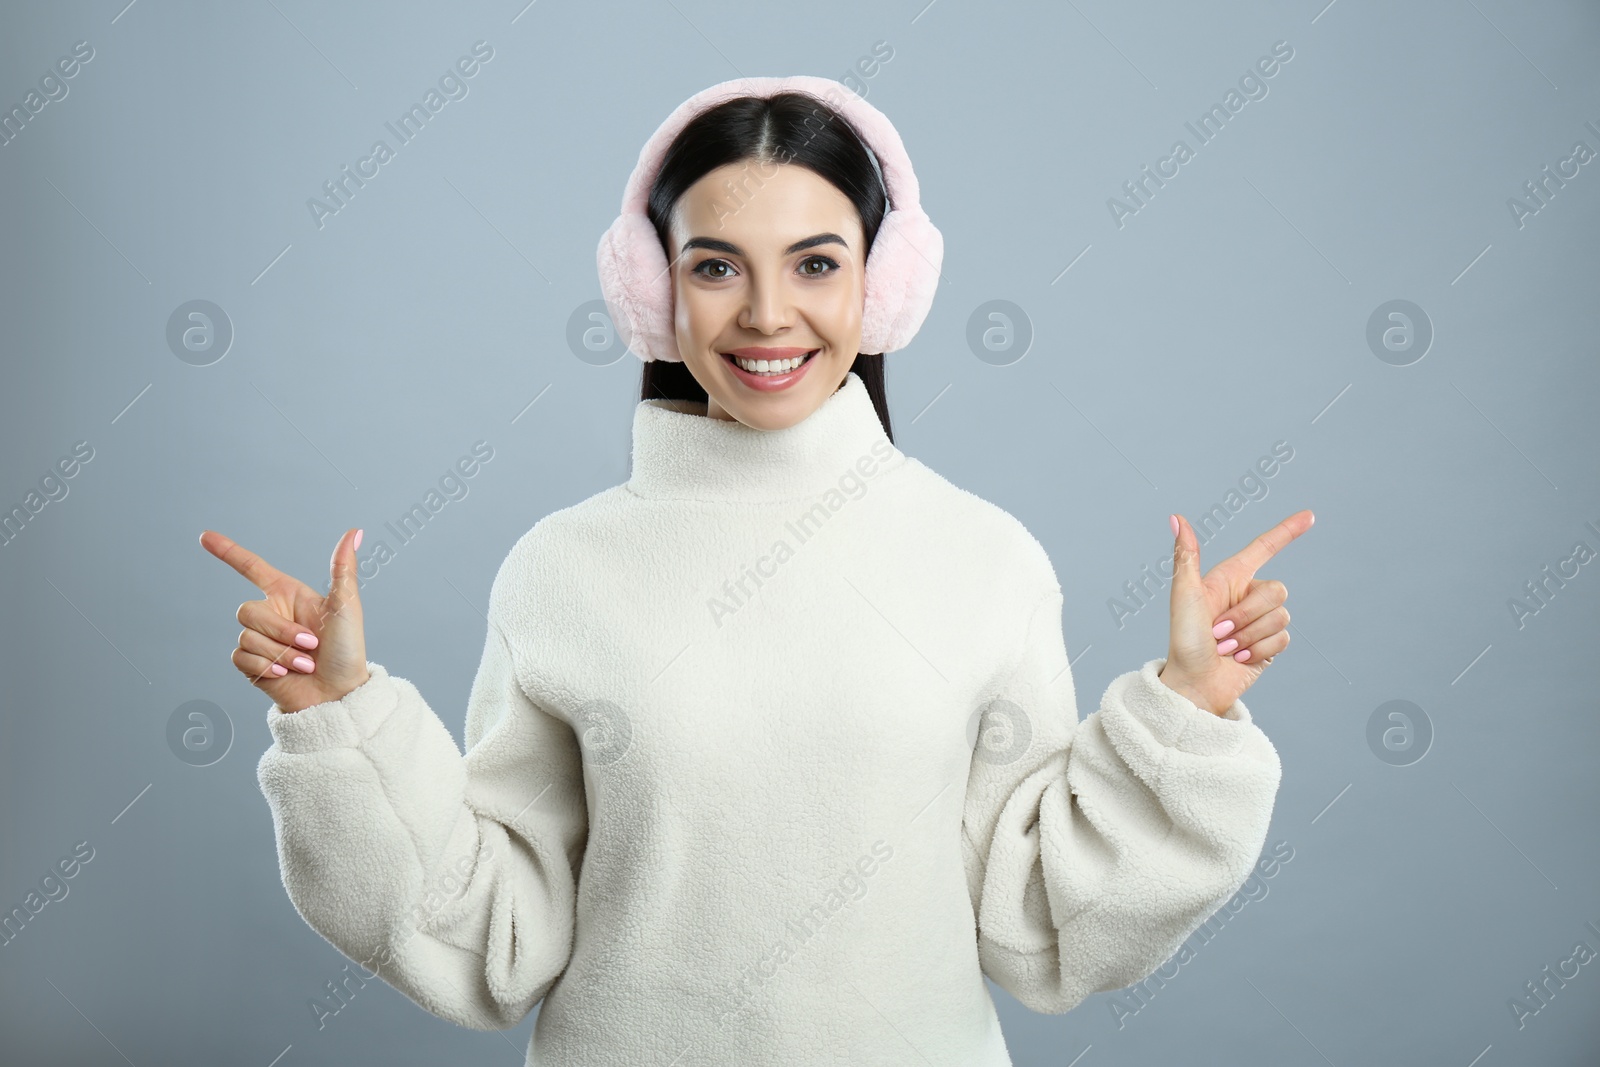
(785, 128)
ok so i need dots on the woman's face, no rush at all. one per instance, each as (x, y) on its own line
(766, 258)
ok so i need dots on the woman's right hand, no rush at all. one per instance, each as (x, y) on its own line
(336, 649)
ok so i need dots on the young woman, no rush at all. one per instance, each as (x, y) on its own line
(773, 751)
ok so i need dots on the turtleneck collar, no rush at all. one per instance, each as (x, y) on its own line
(680, 452)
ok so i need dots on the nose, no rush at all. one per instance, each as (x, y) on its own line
(769, 307)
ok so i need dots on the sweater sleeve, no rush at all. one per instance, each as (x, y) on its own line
(453, 877)
(1093, 849)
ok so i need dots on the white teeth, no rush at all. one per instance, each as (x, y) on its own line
(769, 366)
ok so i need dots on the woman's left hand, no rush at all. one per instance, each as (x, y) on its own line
(1214, 668)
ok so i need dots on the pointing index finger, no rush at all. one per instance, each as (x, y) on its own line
(256, 570)
(1252, 556)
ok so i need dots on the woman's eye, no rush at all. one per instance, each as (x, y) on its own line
(718, 269)
(701, 268)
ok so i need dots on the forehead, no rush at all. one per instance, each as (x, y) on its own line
(766, 206)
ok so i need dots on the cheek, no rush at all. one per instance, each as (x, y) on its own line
(698, 315)
(688, 317)
(839, 310)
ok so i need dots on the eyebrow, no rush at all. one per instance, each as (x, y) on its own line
(714, 245)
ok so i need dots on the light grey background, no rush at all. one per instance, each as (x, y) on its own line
(1229, 313)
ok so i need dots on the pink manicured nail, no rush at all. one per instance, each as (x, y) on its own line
(1174, 520)
(1227, 646)
(358, 539)
(303, 663)
(306, 640)
(1222, 629)
(279, 669)
(1242, 655)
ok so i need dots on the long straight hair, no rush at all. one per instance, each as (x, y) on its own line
(789, 127)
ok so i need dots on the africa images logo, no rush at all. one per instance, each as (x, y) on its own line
(452, 86)
(851, 485)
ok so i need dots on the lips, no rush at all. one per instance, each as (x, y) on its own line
(767, 381)
(769, 356)
(767, 353)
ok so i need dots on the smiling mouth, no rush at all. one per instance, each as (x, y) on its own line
(772, 367)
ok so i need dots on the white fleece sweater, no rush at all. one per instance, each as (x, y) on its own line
(771, 755)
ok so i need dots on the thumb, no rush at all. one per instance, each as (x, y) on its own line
(1187, 587)
(343, 589)
(1190, 624)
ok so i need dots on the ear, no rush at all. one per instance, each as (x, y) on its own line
(902, 275)
(637, 286)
